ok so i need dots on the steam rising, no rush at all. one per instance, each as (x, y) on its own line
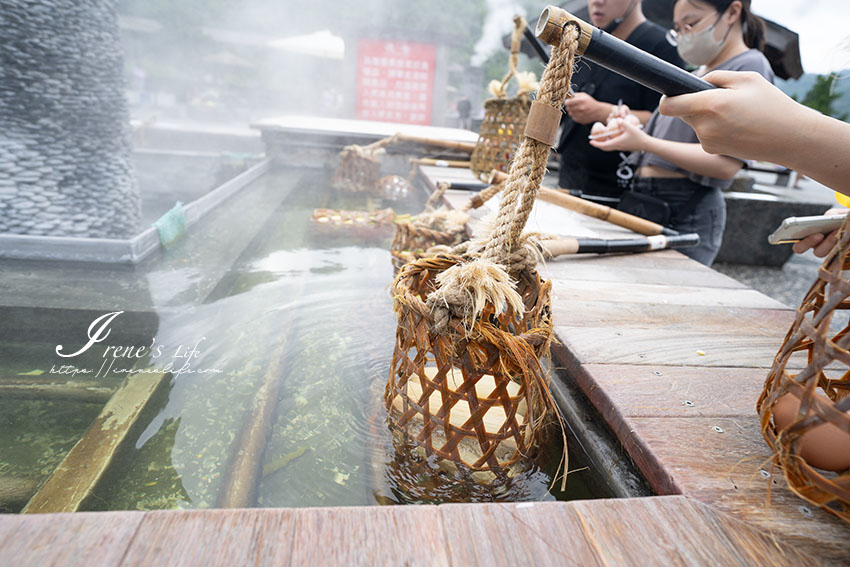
(500, 21)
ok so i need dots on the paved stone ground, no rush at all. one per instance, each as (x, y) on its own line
(789, 283)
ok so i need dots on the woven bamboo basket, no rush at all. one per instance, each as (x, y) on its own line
(359, 167)
(504, 120)
(500, 134)
(367, 225)
(414, 239)
(813, 447)
(467, 389)
(357, 170)
(476, 399)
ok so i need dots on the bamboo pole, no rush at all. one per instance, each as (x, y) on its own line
(467, 147)
(563, 199)
(441, 162)
(566, 246)
(245, 469)
(86, 391)
(82, 468)
(15, 492)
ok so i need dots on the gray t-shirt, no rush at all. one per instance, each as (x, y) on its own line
(675, 129)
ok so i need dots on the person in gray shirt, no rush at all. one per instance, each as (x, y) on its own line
(676, 182)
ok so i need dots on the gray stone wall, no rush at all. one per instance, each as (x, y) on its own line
(65, 155)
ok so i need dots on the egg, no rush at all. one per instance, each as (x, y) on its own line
(615, 126)
(633, 120)
(598, 129)
(826, 446)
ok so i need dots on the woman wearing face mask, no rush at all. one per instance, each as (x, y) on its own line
(677, 182)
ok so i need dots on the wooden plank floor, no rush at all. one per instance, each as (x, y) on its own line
(662, 531)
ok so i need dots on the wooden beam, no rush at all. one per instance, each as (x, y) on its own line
(77, 475)
(15, 492)
(72, 391)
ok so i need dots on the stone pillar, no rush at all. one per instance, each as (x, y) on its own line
(65, 153)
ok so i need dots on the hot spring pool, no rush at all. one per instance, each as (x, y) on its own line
(279, 337)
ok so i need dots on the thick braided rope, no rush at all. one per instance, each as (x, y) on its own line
(483, 196)
(516, 39)
(436, 197)
(529, 165)
(464, 288)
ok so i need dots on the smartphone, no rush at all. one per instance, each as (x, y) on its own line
(794, 229)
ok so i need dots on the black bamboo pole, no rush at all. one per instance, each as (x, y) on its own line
(564, 246)
(618, 56)
(536, 44)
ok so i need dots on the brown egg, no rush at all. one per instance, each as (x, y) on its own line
(826, 446)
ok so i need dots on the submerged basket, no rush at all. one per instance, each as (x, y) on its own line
(414, 239)
(368, 225)
(475, 400)
(821, 389)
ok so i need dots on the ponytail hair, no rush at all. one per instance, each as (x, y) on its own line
(751, 25)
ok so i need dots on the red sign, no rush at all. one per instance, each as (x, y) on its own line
(395, 81)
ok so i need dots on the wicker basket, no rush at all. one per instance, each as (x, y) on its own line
(500, 134)
(466, 387)
(476, 400)
(413, 240)
(357, 170)
(366, 225)
(504, 120)
(821, 389)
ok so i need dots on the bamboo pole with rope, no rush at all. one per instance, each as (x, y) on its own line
(462, 322)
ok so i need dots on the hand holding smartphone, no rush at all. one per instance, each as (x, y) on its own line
(794, 229)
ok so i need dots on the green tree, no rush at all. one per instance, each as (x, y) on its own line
(823, 95)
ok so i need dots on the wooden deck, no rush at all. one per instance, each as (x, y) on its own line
(673, 356)
(663, 531)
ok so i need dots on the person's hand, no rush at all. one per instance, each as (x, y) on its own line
(746, 118)
(629, 139)
(619, 111)
(584, 109)
(820, 244)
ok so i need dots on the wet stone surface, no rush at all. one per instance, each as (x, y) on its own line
(64, 123)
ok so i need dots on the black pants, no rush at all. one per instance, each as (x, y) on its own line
(706, 216)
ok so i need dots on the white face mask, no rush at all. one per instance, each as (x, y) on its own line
(700, 48)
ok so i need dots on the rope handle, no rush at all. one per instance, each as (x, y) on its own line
(516, 40)
(483, 196)
(529, 165)
(437, 196)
